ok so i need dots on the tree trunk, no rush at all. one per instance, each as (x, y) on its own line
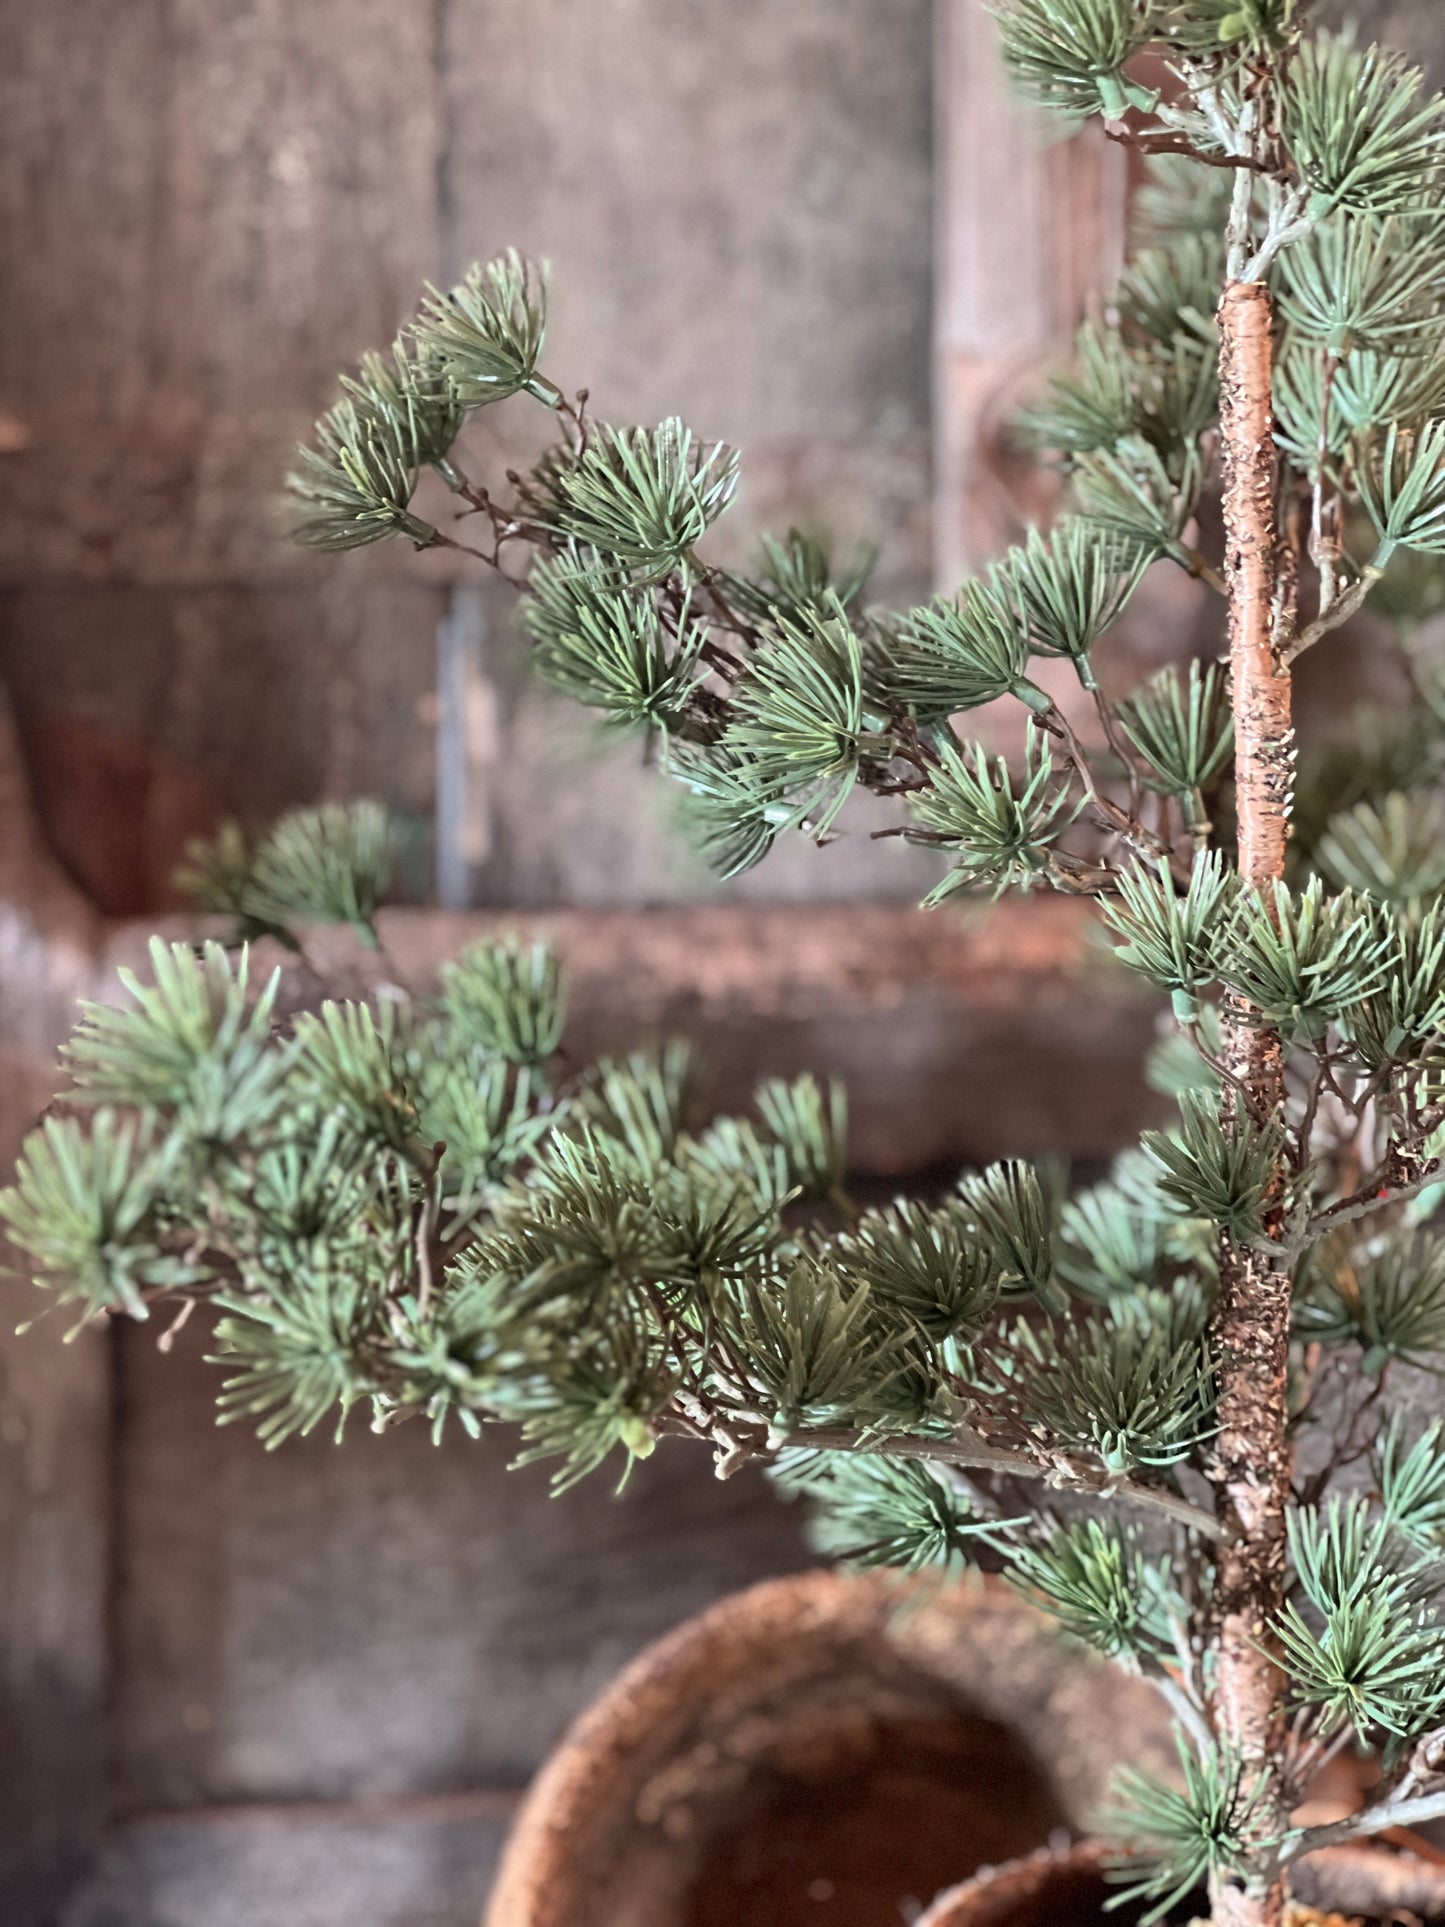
(1252, 1468)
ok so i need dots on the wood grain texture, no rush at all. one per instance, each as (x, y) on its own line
(735, 203)
(999, 1030)
(147, 713)
(426, 1863)
(216, 204)
(1028, 227)
(386, 1617)
(55, 1423)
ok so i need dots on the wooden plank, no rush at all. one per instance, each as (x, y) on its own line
(55, 1420)
(150, 713)
(388, 1616)
(1028, 227)
(735, 205)
(216, 203)
(418, 1864)
(1411, 25)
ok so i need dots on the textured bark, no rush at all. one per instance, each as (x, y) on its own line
(1264, 745)
(1252, 1469)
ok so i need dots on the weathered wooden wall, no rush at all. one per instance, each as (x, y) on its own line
(215, 206)
(209, 206)
(329, 1671)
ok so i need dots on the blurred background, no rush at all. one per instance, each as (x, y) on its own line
(309, 1688)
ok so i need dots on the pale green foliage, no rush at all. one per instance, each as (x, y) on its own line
(1303, 960)
(1360, 282)
(956, 653)
(1108, 1245)
(487, 332)
(928, 1264)
(810, 1121)
(873, 1511)
(1404, 1018)
(1119, 393)
(1411, 1481)
(606, 647)
(1132, 1388)
(188, 1041)
(81, 1206)
(356, 488)
(508, 998)
(1171, 290)
(1172, 937)
(1363, 1645)
(795, 579)
(1069, 588)
(1202, 27)
(1181, 1836)
(1221, 1171)
(642, 496)
(1360, 127)
(1071, 54)
(327, 865)
(1183, 730)
(1406, 498)
(1008, 1203)
(410, 388)
(733, 817)
(1393, 850)
(799, 714)
(1390, 1303)
(1001, 831)
(1097, 1581)
(1131, 491)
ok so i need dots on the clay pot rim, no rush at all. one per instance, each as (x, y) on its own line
(654, 1694)
(1020, 1879)
(667, 1675)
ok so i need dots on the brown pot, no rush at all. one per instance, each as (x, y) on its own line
(1067, 1888)
(820, 1749)
(1055, 1887)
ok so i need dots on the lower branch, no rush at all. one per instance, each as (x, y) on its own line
(969, 1452)
(1410, 1810)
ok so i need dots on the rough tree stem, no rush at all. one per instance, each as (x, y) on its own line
(1252, 1470)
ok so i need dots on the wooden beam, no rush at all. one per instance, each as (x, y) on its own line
(962, 1035)
(1027, 227)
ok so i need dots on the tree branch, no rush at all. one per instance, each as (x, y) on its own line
(1405, 1810)
(968, 1451)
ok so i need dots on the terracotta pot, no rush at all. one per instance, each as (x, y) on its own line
(1056, 1887)
(820, 1749)
(1067, 1888)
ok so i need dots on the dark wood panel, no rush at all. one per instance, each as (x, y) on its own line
(386, 1616)
(147, 714)
(216, 203)
(55, 1425)
(735, 203)
(423, 1864)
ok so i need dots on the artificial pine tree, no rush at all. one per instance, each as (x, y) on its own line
(1160, 1405)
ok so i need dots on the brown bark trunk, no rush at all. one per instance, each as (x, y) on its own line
(1252, 1469)
(1264, 739)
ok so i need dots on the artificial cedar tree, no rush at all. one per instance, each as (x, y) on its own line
(1158, 1404)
